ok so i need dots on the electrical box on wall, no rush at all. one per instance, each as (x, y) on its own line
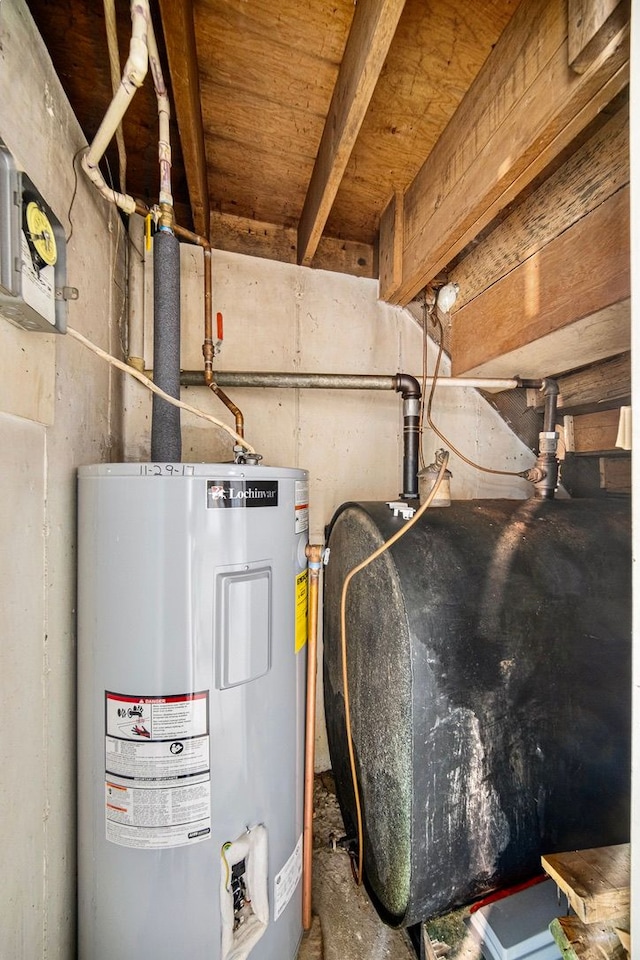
(33, 264)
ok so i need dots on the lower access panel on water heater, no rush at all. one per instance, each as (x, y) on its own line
(191, 675)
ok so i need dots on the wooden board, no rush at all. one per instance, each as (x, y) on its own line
(571, 278)
(274, 242)
(595, 881)
(615, 474)
(592, 24)
(592, 432)
(390, 263)
(524, 108)
(591, 175)
(267, 73)
(579, 941)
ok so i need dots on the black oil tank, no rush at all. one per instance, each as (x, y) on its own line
(489, 659)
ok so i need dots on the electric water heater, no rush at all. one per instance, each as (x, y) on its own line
(191, 680)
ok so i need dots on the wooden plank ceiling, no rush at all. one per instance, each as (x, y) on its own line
(413, 140)
(296, 122)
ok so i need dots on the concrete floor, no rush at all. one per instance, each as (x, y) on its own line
(350, 926)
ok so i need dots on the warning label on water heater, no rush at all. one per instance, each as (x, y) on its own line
(302, 506)
(157, 770)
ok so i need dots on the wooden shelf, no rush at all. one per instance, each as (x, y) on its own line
(595, 881)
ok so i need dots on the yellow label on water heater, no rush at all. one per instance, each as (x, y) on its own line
(302, 594)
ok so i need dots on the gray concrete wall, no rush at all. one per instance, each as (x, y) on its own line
(278, 316)
(59, 407)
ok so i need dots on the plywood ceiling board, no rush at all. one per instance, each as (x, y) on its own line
(321, 26)
(267, 77)
(265, 65)
(523, 110)
(491, 104)
(250, 183)
(434, 57)
(262, 124)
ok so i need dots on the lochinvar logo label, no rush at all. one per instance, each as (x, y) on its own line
(242, 493)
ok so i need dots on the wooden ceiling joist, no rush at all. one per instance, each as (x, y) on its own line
(372, 30)
(179, 34)
(524, 108)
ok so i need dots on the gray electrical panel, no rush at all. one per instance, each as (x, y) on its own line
(33, 256)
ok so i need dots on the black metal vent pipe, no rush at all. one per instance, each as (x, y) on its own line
(166, 442)
(409, 387)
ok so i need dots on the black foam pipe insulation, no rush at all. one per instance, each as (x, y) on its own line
(166, 442)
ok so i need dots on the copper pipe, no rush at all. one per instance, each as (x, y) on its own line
(235, 410)
(207, 346)
(314, 554)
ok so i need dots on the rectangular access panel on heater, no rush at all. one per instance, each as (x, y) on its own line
(243, 602)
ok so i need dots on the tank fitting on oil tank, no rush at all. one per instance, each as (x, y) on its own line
(547, 461)
(427, 478)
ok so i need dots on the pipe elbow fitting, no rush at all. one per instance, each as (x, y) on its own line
(549, 387)
(408, 386)
(137, 65)
(121, 200)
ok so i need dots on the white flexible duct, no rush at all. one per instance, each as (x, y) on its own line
(135, 70)
(143, 52)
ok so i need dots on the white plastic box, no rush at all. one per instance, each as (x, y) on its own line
(518, 925)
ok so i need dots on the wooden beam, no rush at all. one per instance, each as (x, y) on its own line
(524, 108)
(582, 274)
(390, 263)
(271, 241)
(592, 25)
(592, 174)
(598, 387)
(180, 40)
(374, 24)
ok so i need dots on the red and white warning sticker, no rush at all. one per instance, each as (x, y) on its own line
(157, 769)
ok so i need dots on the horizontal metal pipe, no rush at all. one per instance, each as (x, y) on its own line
(322, 381)
(334, 381)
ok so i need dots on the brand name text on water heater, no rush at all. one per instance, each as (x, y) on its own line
(239, 493)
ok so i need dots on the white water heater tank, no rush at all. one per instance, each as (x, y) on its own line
(191, 685)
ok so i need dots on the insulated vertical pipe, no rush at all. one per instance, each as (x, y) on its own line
(166, 444)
